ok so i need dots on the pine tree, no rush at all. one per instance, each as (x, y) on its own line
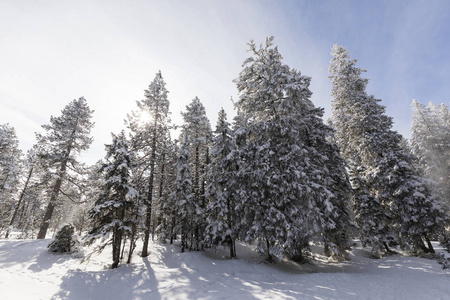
(66, 136)
(182, 195)
(148, 141)
(29, 163)
(116, 209)
(27, 210)
(430, 142)
(222, 224)
(10, 169)
(285, 199)
(197, 127)
(392, 203)
(165, 207)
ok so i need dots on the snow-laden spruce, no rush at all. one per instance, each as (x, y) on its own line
(222, 217)
(64, 241)
(149, 127)
(430, 142)
(290, 192)
(116, 214)
(186, 209)
(392, 203)
(198, 130)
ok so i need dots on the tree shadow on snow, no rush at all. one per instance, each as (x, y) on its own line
(34, 251)
(46, 260)
(196, 274)
(125, 282)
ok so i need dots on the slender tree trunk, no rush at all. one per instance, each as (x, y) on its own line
(196, 194)
(132, 243)
(124, 240)
(52, 204)
(148, 219)
(430, 246)
(183, 239)
(20, 201)
(269, 256)
(422, 246)
(172, 228)
(117, 239)
(116, 247)
(387, 247)
(233, 248)
(161, 222)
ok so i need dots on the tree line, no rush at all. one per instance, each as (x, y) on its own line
(277, 176)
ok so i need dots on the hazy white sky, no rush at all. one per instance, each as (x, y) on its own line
(52, 52)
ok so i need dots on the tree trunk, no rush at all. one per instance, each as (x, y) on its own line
(233, 248)
(116, 248)
(172, 228)
(422, 245)
(387, 247)
(269, 256)
(124, 240)
(52, 204)
(430, 246)
(161, 221)
(117, 239)
(197, 196)
(148, 219)
(20, 201)
(132, 243)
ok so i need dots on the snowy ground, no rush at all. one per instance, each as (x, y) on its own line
(28, 271)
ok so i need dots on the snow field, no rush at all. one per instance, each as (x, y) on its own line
(28, 271)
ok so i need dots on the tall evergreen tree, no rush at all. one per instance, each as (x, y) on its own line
(285, 199)
(10, 168)
(198, 128)
(392, 203)
(165, 206)
(149, 127)
(28, 211)
(430, 142)
(222, 224)
(29, 162)
(66, 136)
(115, 211)
(182, 195)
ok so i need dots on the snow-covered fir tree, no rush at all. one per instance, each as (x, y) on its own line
(222, 219)
(116, 213)
(285, 200)
(63, 242)
(165, 206)
(150, 130)
(198, 129)
(66, 136)
(392, 203)
(10, 168)
(430, 142)
(186, 209)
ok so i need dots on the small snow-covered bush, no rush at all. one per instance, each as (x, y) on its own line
(63, 242)
(444, 240)
(444, 261)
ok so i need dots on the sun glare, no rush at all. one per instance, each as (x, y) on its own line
(145, 118)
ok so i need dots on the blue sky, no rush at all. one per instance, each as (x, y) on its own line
(109, 51)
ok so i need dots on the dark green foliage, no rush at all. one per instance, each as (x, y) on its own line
(63, 242)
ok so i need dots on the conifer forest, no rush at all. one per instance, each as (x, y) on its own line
(276, 176)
